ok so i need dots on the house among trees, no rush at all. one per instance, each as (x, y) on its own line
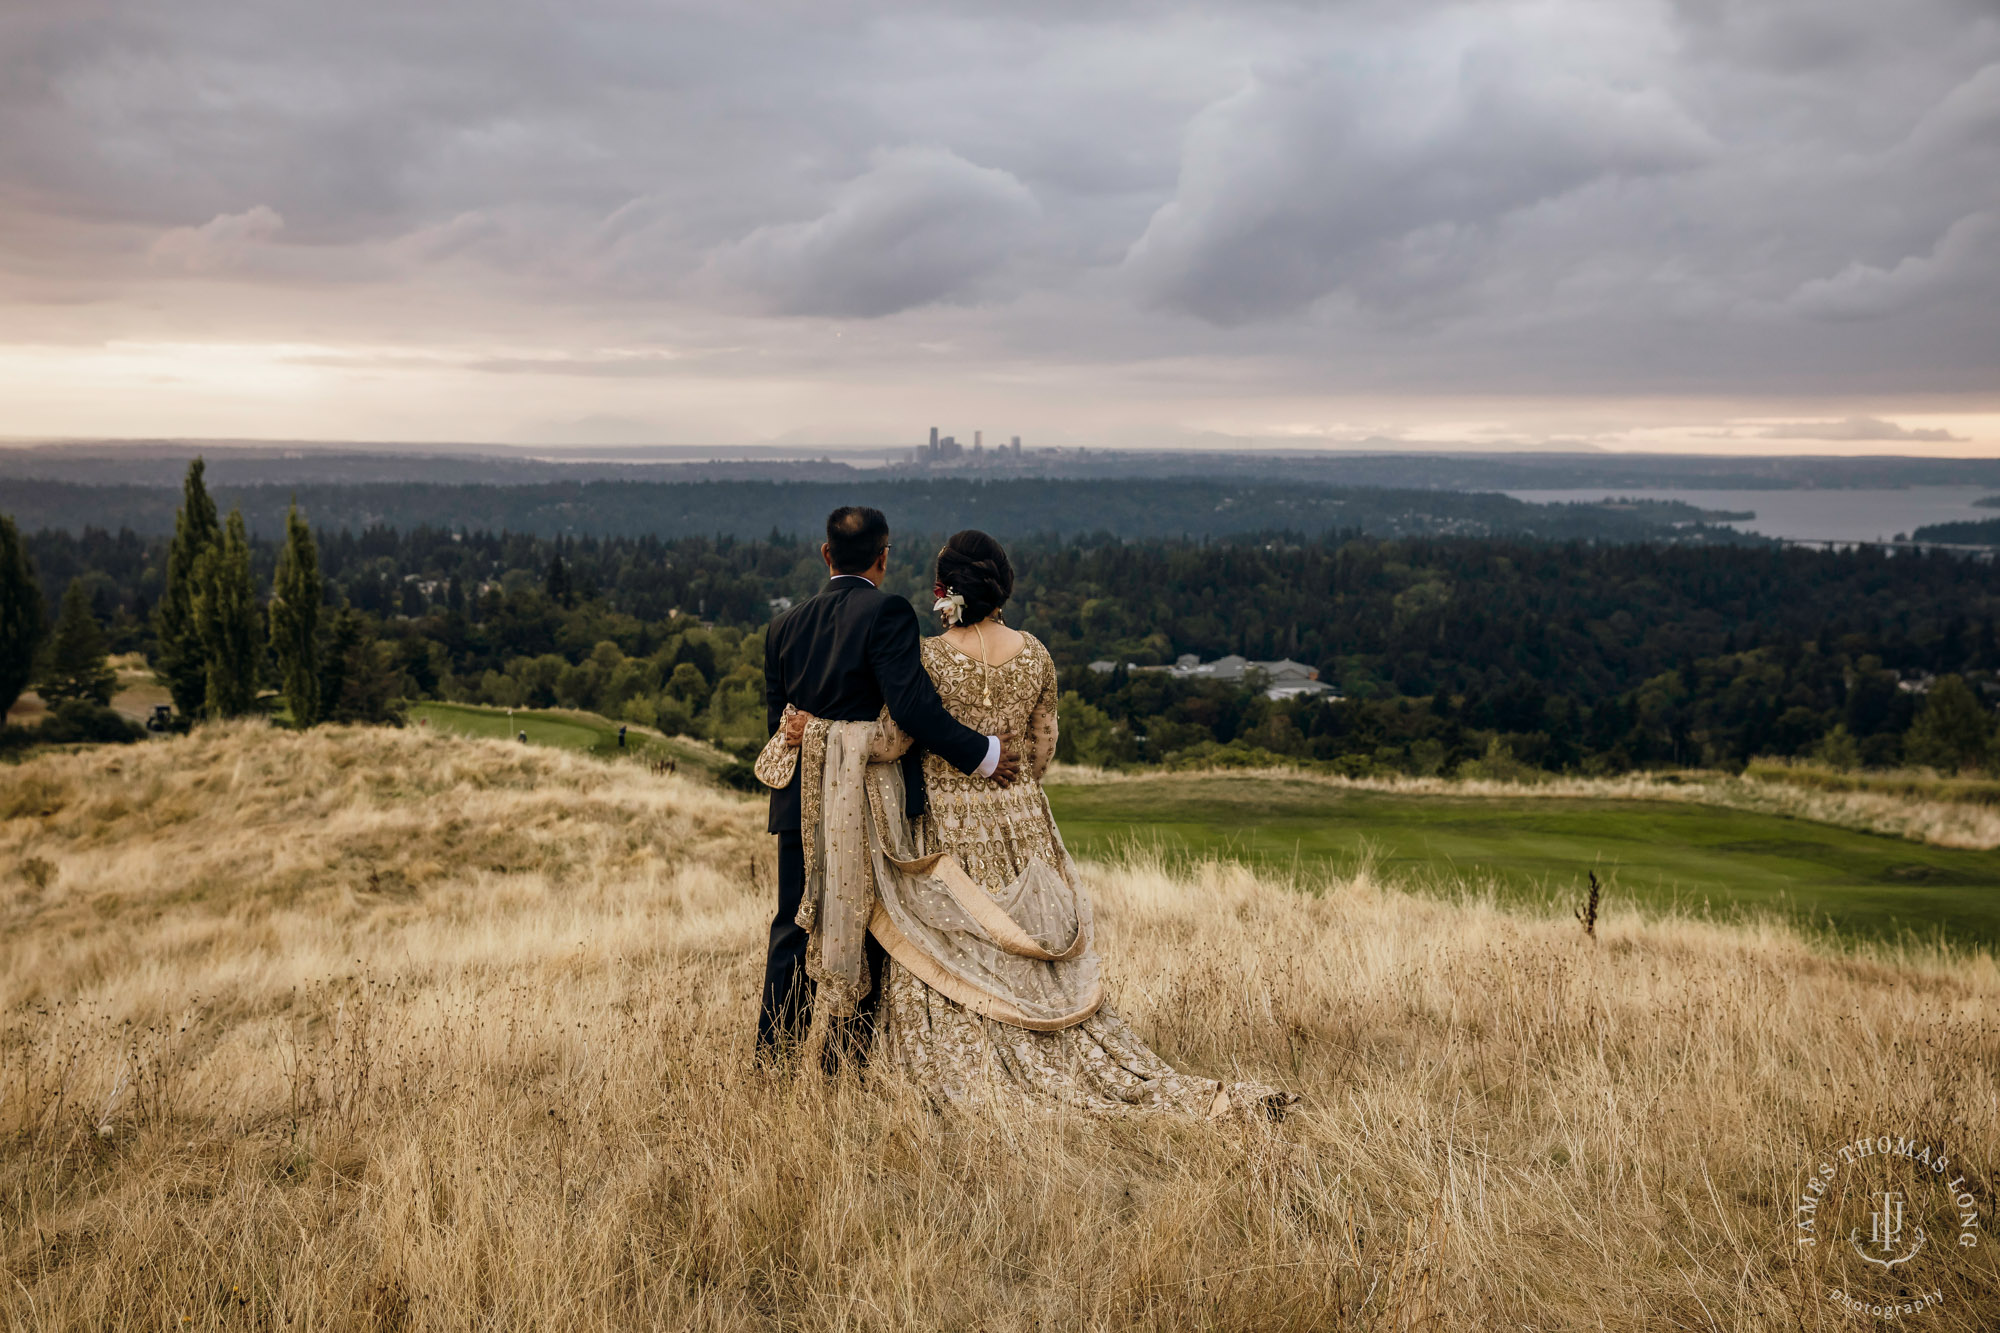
(1282, 679)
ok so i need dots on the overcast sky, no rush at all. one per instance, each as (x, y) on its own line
(1755, 225)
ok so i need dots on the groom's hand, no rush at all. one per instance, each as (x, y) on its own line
(1009, 766)
(793, 725)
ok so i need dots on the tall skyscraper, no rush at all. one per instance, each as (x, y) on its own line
(1017, 445)
(933, 441)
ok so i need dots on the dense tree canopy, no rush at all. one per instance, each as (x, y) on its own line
(1019, 507)
(1450, 651)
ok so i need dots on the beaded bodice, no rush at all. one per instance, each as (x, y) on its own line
(1017, 696)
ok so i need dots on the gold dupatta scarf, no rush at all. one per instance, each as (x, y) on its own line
(1021, 955)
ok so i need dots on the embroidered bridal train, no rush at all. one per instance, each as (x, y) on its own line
(993, 989)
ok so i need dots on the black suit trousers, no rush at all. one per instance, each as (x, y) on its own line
(786, 1011)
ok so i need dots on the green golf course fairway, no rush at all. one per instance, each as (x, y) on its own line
(1652, 853)
(569, 731)
(542, 729)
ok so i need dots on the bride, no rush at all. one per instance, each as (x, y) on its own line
(992, 993)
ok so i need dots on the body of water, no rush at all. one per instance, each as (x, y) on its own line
(1813, 515)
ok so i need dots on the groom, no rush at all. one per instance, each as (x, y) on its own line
(841, 656)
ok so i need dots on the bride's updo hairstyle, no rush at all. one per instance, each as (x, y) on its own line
(976, 567)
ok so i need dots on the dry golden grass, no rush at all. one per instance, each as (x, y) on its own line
(1900, 813)
(367, 1029)
(1927, 783)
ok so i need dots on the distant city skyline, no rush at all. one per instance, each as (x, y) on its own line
(1598, 224)
(946, 448)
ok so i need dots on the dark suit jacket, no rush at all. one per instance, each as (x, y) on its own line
(841, 656)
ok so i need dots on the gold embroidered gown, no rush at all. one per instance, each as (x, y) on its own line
(958, 1056)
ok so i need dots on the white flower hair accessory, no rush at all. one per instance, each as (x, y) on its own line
(951, 607)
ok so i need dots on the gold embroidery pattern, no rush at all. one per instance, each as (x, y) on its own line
(1099, 1065)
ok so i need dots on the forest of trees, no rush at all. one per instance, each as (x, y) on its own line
(1455, 654)
(1135, 507)
(1973, 532)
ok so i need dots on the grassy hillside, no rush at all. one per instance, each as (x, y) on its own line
(370, 1029)
(1654, 853)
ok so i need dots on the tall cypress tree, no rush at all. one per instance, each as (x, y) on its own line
(21, 619)
(77, 668)
(225, 610)
(295, 598)
(183, 659)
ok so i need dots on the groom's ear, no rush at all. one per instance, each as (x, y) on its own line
(826, 553)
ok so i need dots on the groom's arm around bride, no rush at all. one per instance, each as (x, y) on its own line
(843, 655)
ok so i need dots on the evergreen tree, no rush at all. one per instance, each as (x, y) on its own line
(372, 685)
(295, 599)
(76, 666)
(225, 610)
(183, 655)
(21, 619)
(1953, 732)
(557, 585)
(343, 633)
(360, 681)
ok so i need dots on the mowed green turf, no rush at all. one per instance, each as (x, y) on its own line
(1654, 853)
(569, 731)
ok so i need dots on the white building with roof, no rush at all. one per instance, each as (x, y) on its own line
(1282, 679)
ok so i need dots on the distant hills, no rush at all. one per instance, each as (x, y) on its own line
(754, 492)
(161, 462)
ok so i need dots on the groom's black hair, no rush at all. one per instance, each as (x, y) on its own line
(856, 535)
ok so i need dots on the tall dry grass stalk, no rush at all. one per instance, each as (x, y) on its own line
(1900, 810)
(366, 1029)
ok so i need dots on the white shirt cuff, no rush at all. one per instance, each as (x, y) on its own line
(985, 770)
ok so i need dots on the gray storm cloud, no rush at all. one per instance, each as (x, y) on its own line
(225, 241)
(1383, 176)
(921, 225)
(1965, 259)
(1576, 196)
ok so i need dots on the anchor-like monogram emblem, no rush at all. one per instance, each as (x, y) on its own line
(1885, 1233)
